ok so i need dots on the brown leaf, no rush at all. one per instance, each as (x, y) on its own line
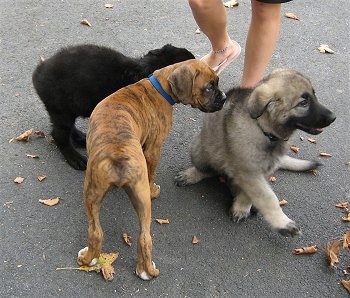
(127, 239)
(346, 240)
(283, 202)
(346, 218)
(85, 22)
(342, 205)
(305, 250)
(313, 141)
(32, 155)
(19, 180)
(314, 172)
(325, 49)
(108, 5)
(41, 177)
(294, 148)
(291, 15)
(346, 284)
(231, 3)
(332, 251)
(195, 240)
(325, 154)
(40, 133)
(24, 137)
(162, 221)
(50, 201)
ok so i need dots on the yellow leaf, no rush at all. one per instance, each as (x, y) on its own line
(50, 201)
(325, 154)
(32, 155)
(346, 218)
(108, 5)
(311, 140)
(283, 202)
(346, 284)
(294, 148)
(342, 205)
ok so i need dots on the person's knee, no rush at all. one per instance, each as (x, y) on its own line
(265, 11)
(198, 5)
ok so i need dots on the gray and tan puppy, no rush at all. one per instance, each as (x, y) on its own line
(125, 135)
(246, 142)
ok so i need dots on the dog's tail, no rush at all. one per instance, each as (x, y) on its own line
(297, 165)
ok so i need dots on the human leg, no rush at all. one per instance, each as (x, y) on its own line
(211, 18)
(261, 41)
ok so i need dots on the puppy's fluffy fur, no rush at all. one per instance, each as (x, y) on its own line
(73, 81)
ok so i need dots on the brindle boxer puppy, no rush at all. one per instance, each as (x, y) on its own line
(125, 135)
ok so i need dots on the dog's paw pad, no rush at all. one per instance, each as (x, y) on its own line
(143, 275)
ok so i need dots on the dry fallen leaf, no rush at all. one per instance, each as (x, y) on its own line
(127, 239)
(325, 154)
(85, 22)
(342, 205)
(195, 240)
(40, 133)
(272, 179)
(294, 148)
(346, 284)
(162, 221)
(32, 155)
(346, 240)
(50, 201)
(311, 140)
(231, 3)
(305, 250)
(198, 31)
(346, 218)
(19, 180)
(24, 137)
(283, 202)
(41, 177)
(314, 172)
(108, 5)
(104, 265)
(324, 48)
(332, 251)
(291, 15)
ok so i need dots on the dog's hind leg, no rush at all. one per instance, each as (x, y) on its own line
(140, 196)
(93, 195)
(61, 133)
(78, 137)
(264, 199)
(297, 165)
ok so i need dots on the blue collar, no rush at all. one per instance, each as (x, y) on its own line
(159, 88)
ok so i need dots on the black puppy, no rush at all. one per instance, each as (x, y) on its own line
(77, 78)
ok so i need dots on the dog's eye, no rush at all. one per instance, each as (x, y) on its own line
(208, 88)
(304, 103)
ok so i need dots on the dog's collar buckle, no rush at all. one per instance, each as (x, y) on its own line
(159, 88)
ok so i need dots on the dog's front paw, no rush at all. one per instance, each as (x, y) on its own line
(290, 230)
(153, 272)
(239, 214)
(189, 176)
(85, 259)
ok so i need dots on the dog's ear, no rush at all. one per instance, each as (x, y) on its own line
(181, 82)
(259, 99)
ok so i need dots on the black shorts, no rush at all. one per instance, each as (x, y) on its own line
(274, 1)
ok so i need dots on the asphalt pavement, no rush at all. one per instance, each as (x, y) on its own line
(231, 260)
